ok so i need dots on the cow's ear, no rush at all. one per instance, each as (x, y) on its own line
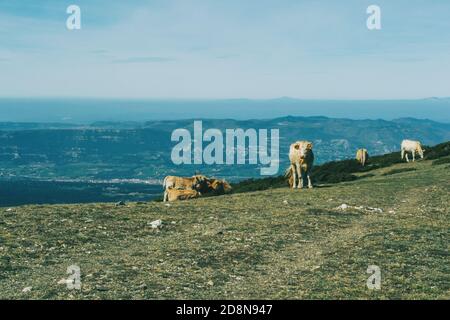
(309, 146)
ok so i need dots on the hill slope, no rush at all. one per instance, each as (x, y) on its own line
(277, 243)
(104, 151)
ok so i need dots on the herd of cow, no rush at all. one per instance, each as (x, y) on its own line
(301, 158)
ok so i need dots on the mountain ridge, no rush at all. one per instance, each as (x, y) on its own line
(125, 150)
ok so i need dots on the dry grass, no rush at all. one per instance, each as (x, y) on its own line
(280, 244)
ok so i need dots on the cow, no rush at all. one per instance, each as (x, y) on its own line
(362, 156)
(301, 157)
(197, 183)
(218, 187)
(413, 147)
(180, 194)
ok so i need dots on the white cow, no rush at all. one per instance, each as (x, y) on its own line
(301, 157)
(413, 147)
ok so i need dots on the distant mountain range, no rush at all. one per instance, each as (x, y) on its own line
(141, 150)
(86, 111)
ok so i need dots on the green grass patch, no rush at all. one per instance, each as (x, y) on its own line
(395, 171)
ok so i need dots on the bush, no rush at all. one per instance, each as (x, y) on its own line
(438, 151)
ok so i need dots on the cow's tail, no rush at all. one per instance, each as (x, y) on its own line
(288, 172)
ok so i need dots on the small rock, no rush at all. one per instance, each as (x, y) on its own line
(392, 211)
(285, 202)
(375, 209)
(342, 207)
(63, 281)
(27, 289)
(9, 209)
(167, 204)
(157, 224)
(210, 283)
(120, 203)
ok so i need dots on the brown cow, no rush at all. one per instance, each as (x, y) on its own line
(218, 187)
(197, 183)
(178, 194)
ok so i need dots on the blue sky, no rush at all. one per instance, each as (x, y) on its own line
(225, 49)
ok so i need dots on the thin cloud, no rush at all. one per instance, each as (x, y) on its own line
(143, 60)
(100, 51)
(227, 56)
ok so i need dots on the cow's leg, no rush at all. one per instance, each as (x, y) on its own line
(304, 178)
(300, 177)
(407, 159)
(403, 154)
(414, 156)
(294, 176)
(310, 186)
(166, 196)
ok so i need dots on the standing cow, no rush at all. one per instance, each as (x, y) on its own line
(412, 147)
(302, 159)
(362, 156)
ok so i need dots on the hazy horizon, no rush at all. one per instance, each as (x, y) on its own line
(88, 110)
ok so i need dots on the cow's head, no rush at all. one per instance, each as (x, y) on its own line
(420, 151)
(303, 148)
(200, 182)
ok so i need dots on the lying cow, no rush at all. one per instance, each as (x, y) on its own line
(412, 147)
(302, 159)
(362, 156)
(179, 194)
(197, 183)
(218, 187)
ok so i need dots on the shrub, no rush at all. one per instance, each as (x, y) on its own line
(438, 151)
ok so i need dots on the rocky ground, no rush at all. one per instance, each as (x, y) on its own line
(279, 244)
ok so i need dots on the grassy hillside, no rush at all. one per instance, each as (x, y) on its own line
(345, 170)
(279, 243)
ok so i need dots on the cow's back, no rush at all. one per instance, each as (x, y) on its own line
(410, 144)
